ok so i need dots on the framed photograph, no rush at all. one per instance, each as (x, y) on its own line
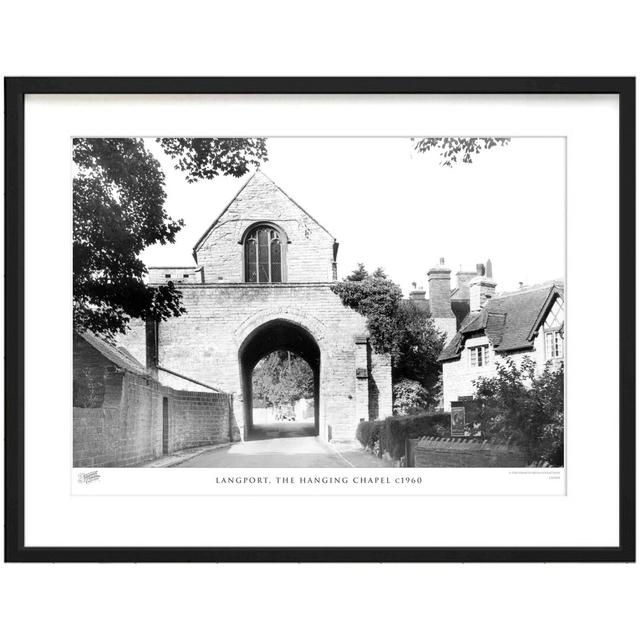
(320, 319)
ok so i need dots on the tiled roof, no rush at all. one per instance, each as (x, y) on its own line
(508, 320)
(118, 355)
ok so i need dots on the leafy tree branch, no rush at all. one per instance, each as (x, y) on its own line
(119, 210)
(453, 150)
(525, 409)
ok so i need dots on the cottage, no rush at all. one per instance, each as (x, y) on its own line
(528, 322)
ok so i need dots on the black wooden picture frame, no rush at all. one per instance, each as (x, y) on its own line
(15, 91)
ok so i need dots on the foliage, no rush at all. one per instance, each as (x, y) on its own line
(282, 378)
(409, 396)
(358, 274)
(400, 329)
(525, 409)
(378, 299)
(454, 149)
(207, 158)
(419, 344)
(389, 435)
(118, 210)
(368, 433)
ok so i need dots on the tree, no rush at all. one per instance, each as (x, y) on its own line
(419, 345)
(525, 409)
(454, 149)
(358, 274)
(118, 211)
(409, 396)
(397, 328)
(207, 158)
(379, 301)
(282, 378)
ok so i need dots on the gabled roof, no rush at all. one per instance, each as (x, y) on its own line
(510, 320)
(258, 176)
(117, 355)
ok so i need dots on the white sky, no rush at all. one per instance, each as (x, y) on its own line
(389, 206)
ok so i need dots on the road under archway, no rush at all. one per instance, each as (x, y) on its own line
(273, 336)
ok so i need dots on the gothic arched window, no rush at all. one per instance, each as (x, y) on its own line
(263, 255)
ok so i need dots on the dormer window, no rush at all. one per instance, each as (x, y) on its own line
(263, 255)
(479, 356)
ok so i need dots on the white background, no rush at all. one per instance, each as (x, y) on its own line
(586, 516)
(377, 179)
(270, 38)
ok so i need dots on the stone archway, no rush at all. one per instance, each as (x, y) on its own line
(272, 335)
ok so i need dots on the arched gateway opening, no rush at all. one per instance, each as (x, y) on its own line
(278, 335)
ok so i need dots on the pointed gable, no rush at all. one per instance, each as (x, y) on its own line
(510, 320)
(310, 247)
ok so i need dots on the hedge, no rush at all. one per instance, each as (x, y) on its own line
(368, 433)
(392, 432)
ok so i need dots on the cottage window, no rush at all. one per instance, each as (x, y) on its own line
(554, 331)
(479, 356)
(263, 255)
(554, 344)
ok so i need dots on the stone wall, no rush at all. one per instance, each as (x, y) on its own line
(183, 275)
(463, 452)
(120, 434)
(204, 344)
(197, 419)
(131, 432)
(126, 427)
(307, 253)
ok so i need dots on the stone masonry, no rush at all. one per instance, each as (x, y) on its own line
(130, 418)
(225, 313)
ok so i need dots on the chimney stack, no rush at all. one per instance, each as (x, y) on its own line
(440, 291)
(463, 278)
(418, 292)
(440, 300)
(482, 287)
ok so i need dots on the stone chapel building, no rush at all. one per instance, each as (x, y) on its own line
(261, 282)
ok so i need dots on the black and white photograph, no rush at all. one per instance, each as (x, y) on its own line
(318, 302)
(357, 316)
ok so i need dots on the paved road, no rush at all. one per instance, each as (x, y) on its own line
(300, 452)
(287, 451)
